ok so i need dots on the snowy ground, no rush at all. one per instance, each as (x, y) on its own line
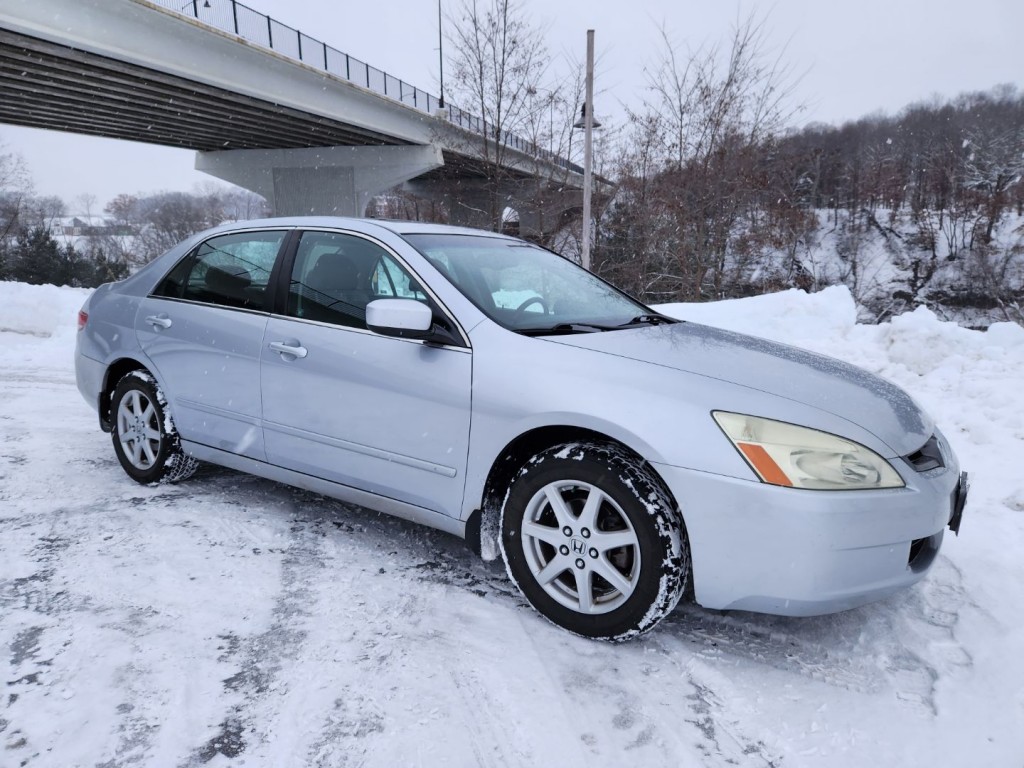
(233, 621)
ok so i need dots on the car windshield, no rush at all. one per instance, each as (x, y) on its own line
(528, 289)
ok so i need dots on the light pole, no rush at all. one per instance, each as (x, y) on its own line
(588, 152)
(195, 6)
(551, 96)
(440, 53)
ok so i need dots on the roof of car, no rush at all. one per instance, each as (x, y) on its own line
(397, 226)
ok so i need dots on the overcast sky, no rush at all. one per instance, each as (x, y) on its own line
(855, 57)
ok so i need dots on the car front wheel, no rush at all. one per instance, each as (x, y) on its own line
(145, 440)
(593, 541)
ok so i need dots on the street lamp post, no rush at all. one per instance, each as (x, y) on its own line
(440, 53)
(588, 151)
(551, 96)
(195, 6)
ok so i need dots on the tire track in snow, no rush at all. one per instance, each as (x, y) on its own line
(12, 460)
(73, 626)
(901, 646)
(644, 702)
(928, 648)
(371, 669)
(135, 729)
(40, 600)
(722, 734)
(790, 645)
(377, 634)
(261, 658)
(356, 716)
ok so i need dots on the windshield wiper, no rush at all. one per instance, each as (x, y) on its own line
(566, 328)
(563, 329)
(649, 319)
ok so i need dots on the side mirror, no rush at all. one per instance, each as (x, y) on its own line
(405, 318)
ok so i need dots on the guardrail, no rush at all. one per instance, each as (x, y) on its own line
(255, 27)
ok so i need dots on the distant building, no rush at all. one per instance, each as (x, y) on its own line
(67, 227)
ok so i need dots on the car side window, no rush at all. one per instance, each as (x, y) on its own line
(229, 270)
(336, 275)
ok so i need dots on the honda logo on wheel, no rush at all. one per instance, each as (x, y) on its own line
(578, 547)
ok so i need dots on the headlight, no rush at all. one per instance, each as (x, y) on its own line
(784, 454)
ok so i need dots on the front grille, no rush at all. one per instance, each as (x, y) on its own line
(928, 456)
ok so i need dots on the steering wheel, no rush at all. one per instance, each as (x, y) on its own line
(532, 300)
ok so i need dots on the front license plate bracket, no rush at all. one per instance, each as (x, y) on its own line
(959, 501)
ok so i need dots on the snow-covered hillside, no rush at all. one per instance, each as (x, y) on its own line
(893, 261)
(232, 621)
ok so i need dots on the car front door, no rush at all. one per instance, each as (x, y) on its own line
(381, 414)
(202, 329)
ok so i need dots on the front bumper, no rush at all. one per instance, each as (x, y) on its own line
(793, 552)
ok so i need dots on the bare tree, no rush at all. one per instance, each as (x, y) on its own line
(995, 165)
(167, 218)
(86, 203)
(398, 203)
(499, 62)
(704, 131)
(240, 204)
(708, 96)
(551, 114)
(125, 210)
(15, 188)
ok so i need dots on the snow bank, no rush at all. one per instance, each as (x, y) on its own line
(39, 310)
(916, 343)
(779, 316)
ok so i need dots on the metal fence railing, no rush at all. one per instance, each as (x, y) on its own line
(255, 27)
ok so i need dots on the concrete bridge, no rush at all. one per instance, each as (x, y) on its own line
(266, 107)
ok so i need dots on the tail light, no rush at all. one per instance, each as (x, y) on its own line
(83, 318)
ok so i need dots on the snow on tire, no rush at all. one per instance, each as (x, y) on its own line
(145, 440)
(593, 541)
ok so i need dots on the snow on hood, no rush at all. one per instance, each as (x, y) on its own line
(839, 388)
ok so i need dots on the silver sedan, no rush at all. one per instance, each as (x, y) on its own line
(492, 389)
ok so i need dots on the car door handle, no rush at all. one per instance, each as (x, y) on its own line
(288, 349)
(159, 321)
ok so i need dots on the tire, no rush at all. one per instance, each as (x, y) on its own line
(593, 514)
(145, 440)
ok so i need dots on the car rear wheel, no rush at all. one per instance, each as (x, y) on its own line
(593, 541)
(145, 440)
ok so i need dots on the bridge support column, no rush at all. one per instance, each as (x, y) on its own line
(320, 181)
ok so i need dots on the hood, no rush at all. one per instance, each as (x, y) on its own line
(838, 388)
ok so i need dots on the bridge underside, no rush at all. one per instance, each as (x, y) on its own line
(301, 162)
(46, 85)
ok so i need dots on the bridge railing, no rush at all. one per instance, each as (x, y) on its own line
(255, 27)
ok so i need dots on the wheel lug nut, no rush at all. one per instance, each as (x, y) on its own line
(563, 549)
(593, 552)
(585, 533)
(580, 563)
(567, 531)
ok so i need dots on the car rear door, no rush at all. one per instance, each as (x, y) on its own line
(381, 414)
(202, 329)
